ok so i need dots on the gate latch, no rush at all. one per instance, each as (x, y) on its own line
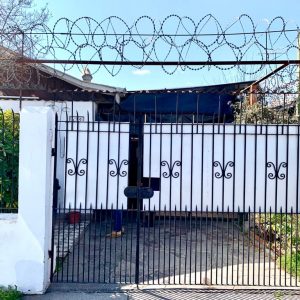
(142, 192)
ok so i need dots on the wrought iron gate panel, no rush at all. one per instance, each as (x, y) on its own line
(94, 164)
(224, 210)
(222, 166)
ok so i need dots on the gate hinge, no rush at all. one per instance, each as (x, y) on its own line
(50, 253)
(53, 152)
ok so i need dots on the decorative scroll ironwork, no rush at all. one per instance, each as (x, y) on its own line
(75, 169)
(276, 170)
(170, 172)
(118, 168)
(223, 173)
(178, 39)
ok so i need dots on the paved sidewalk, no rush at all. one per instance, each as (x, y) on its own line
(171, 294)
(77, 296)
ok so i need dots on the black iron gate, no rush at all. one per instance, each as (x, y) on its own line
(213, 203)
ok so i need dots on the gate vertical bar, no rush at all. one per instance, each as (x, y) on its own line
(54, 193)
(139, 199)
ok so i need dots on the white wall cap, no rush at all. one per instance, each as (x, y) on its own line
(36, 109)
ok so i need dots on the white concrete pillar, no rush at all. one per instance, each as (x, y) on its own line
(25, 241)
(35, 194)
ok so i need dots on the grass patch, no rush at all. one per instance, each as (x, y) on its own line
(10, 293)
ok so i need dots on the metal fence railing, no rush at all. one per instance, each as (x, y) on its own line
(177, 248)
(9, 161)
(190, 199)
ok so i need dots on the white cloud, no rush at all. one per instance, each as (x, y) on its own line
(141, 72)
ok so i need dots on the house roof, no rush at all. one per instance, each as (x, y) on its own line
(83, 85)
(76, 84)
(225, 88)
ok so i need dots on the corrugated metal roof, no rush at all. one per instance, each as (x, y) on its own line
(218, 88)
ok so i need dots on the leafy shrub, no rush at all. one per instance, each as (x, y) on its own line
(290, 262)
(9, 159)
(10, 293)
(260, 113)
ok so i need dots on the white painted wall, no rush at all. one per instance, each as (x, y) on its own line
(25, 239)
(197, 186)
(60, 107)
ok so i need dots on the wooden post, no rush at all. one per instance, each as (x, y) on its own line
(253, 96)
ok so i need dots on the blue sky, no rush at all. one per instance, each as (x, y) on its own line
(226, 12)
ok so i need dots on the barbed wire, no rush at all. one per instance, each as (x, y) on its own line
(146, 40)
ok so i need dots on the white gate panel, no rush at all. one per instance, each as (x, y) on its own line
(222, 167)
(97, 165)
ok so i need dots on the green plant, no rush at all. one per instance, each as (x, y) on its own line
(290, 262)
(9, 159)
(278, 295)
(10, 293)
(260, 113)
(59, 264)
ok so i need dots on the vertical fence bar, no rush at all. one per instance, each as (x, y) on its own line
(212, 195)
(78, 245)
(233, 198)
(186, 243)
(100, 242)
(96, 203)
(150, 214)
(287, 194)
(276, 191)
(85, 203)
(259, 225)
(170, 198)
(68, 245)
(180, 200)
(227, 244)
(196, 244)
(66, 158)
(254, 200)
(159, 199)
(54, 209)
(223, 196)
(90, 224)
(201, 194)
(217, 245)
(244, 198)
(206, 246)
(265, 206)
(297, 199)
(191, 195)
(139, 199)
